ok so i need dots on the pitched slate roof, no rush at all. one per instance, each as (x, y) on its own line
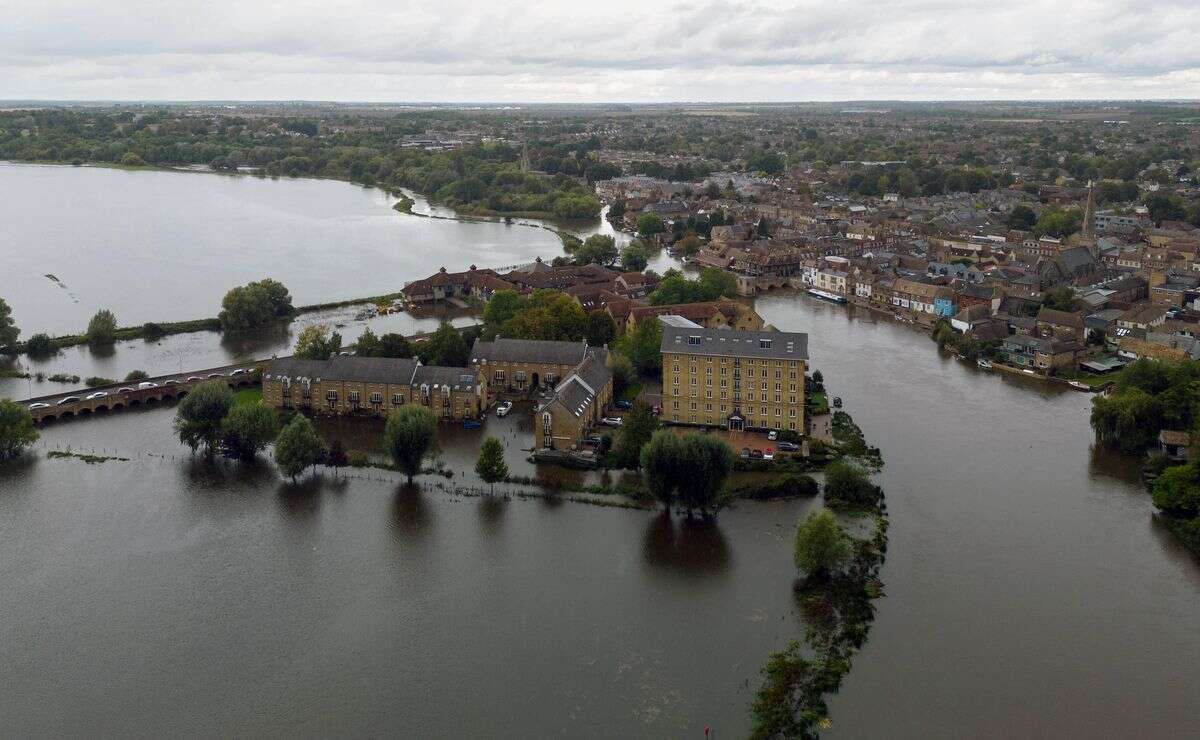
(346, 368)
(581, 387)
(776, 345)
(528, 350)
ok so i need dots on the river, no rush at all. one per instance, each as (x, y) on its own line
(1029, 591)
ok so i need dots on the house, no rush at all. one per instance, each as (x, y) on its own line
(734, 379)
(444, 285)
(1052, 324)
(923, 298)
(575, 405)
(1174, 444)
(372, 386)
(520, 365)
(723, 314)
(1036, 353)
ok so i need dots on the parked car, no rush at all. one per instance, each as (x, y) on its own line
(611, 421)
(94, 396)
(623, 404)
(194, 379)
(772, 435)
(789, 447)
(745, 452)
(68, 399)
(170, 381)
(147, 384)
(39, 406)
(756, 454)
(471, 424)
(769, 454)
(125, 390)
(504, 408)
(593, 440)
(239, 371)
(215, 375)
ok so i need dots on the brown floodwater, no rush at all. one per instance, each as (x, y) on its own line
(1029, 591)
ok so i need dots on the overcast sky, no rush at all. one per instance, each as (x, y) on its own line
(582, 51)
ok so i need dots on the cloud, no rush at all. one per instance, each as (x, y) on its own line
(618, 50)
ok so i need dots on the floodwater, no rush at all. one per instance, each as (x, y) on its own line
(1029, 590)
(166, 246)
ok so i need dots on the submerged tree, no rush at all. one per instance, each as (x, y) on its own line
(821, 546)
(408, 436)
(298, 447)
(490, 466)
(199, 416)
(16, 429)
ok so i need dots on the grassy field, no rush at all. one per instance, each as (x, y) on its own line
(247, 396)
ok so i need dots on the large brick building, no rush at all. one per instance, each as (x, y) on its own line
(733, 379)
(520, 365)
(575, 405)
(373, 386)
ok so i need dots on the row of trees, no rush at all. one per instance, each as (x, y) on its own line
(710, 285)
(688, 470)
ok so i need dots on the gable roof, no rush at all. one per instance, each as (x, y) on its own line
(539, 351)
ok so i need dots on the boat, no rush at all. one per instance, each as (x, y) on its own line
(827, 295)
(984, 364)
(1079, 386)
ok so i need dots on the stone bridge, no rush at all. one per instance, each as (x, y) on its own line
(106, 399)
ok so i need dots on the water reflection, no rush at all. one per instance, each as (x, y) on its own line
(1109, 463)
(691, 546)
(492, 510)
(101, 351)
(257, 343)
(411, 515)
(300, 501)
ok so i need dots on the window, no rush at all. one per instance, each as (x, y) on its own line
(331, 396)
(694, 340)
(792, 413)
(353, 395)
(675, 405)
(397, 399)
(376, 398)
(693, 405)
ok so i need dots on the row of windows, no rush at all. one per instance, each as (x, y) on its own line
(778, 398)
(764, 385)
(725, 408)
(737, 361)
(751, 422)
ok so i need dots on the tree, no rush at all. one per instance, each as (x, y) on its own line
(8, 328)
(659, 460)
(643, 346)
(548, 315)
(822, 547)
(445, 347)
(711, 285)
(247, 429)
(635, 256)
(640, 425)
(943, 333)
(1177, 491)
(490, 466)
(846, 483)
(601, 329)
(689, 245)
(408, 436)
(255, 304)
(40, 345)
(298, 447)
(16, 429)
(1058, 223)
(394, 345)
(1164, 207)
(102, 329)
(199, 416)
(1061, 299)
(367, 344)
(1022, 218)
(502, 306)
(649, 224)
(704, 465)
(597, 248)
(317, 343)
(135, 375)
(337, 457)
